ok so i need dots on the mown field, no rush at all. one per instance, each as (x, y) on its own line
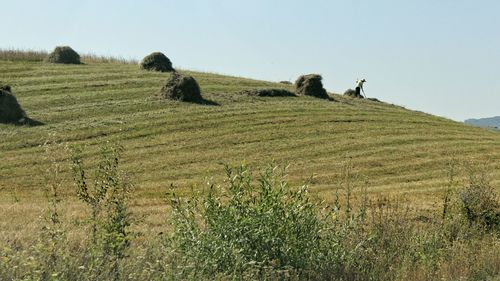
(396, 150)
(397, 153)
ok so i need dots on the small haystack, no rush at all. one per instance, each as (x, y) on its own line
(269, 93)
(157, 62)
(64, 54)
(352, 93)
(311, 85)
(5, 88)
(181, 87)
(10, 110)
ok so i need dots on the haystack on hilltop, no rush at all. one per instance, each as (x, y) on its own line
(352, 93)
(181, 87)
(311, 85)
(10, 110)
(157, 62)
(64, 54)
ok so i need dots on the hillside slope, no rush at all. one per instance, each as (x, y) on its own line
(395, 150)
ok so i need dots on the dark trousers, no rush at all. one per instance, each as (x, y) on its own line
(358, 91)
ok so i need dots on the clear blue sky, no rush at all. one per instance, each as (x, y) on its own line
(437, 56)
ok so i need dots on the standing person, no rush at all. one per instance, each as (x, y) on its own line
(359, 87)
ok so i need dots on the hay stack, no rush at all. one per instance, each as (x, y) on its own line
(352, 93)
(269, 93)
(311, 85)
(5, 87)
(64, 54)
(181, 87)
(157, 62)
(10, 110)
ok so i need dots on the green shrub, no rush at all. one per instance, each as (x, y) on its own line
(473, 207)
(244, 227)
(110, 219)
(479, 202)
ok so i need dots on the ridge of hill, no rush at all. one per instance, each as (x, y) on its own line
(490, 122)
(397, 151)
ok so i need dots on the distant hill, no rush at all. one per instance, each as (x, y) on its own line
(491, 122)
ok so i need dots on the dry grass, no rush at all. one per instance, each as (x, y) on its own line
(39, 56)
(22, 55)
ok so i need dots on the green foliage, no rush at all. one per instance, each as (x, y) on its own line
(473, 207)
(242, 230)
(107, 199)
(479, 202)
(246, 225)
(255, 228)
(53, 235)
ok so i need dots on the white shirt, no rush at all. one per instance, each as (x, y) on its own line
(360, 83)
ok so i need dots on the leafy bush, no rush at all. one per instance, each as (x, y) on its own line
(479, 202)
(475, 206)
(107, 199)
(265, 229)
(243, 226)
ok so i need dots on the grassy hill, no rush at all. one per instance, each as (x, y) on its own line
(397, 150)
